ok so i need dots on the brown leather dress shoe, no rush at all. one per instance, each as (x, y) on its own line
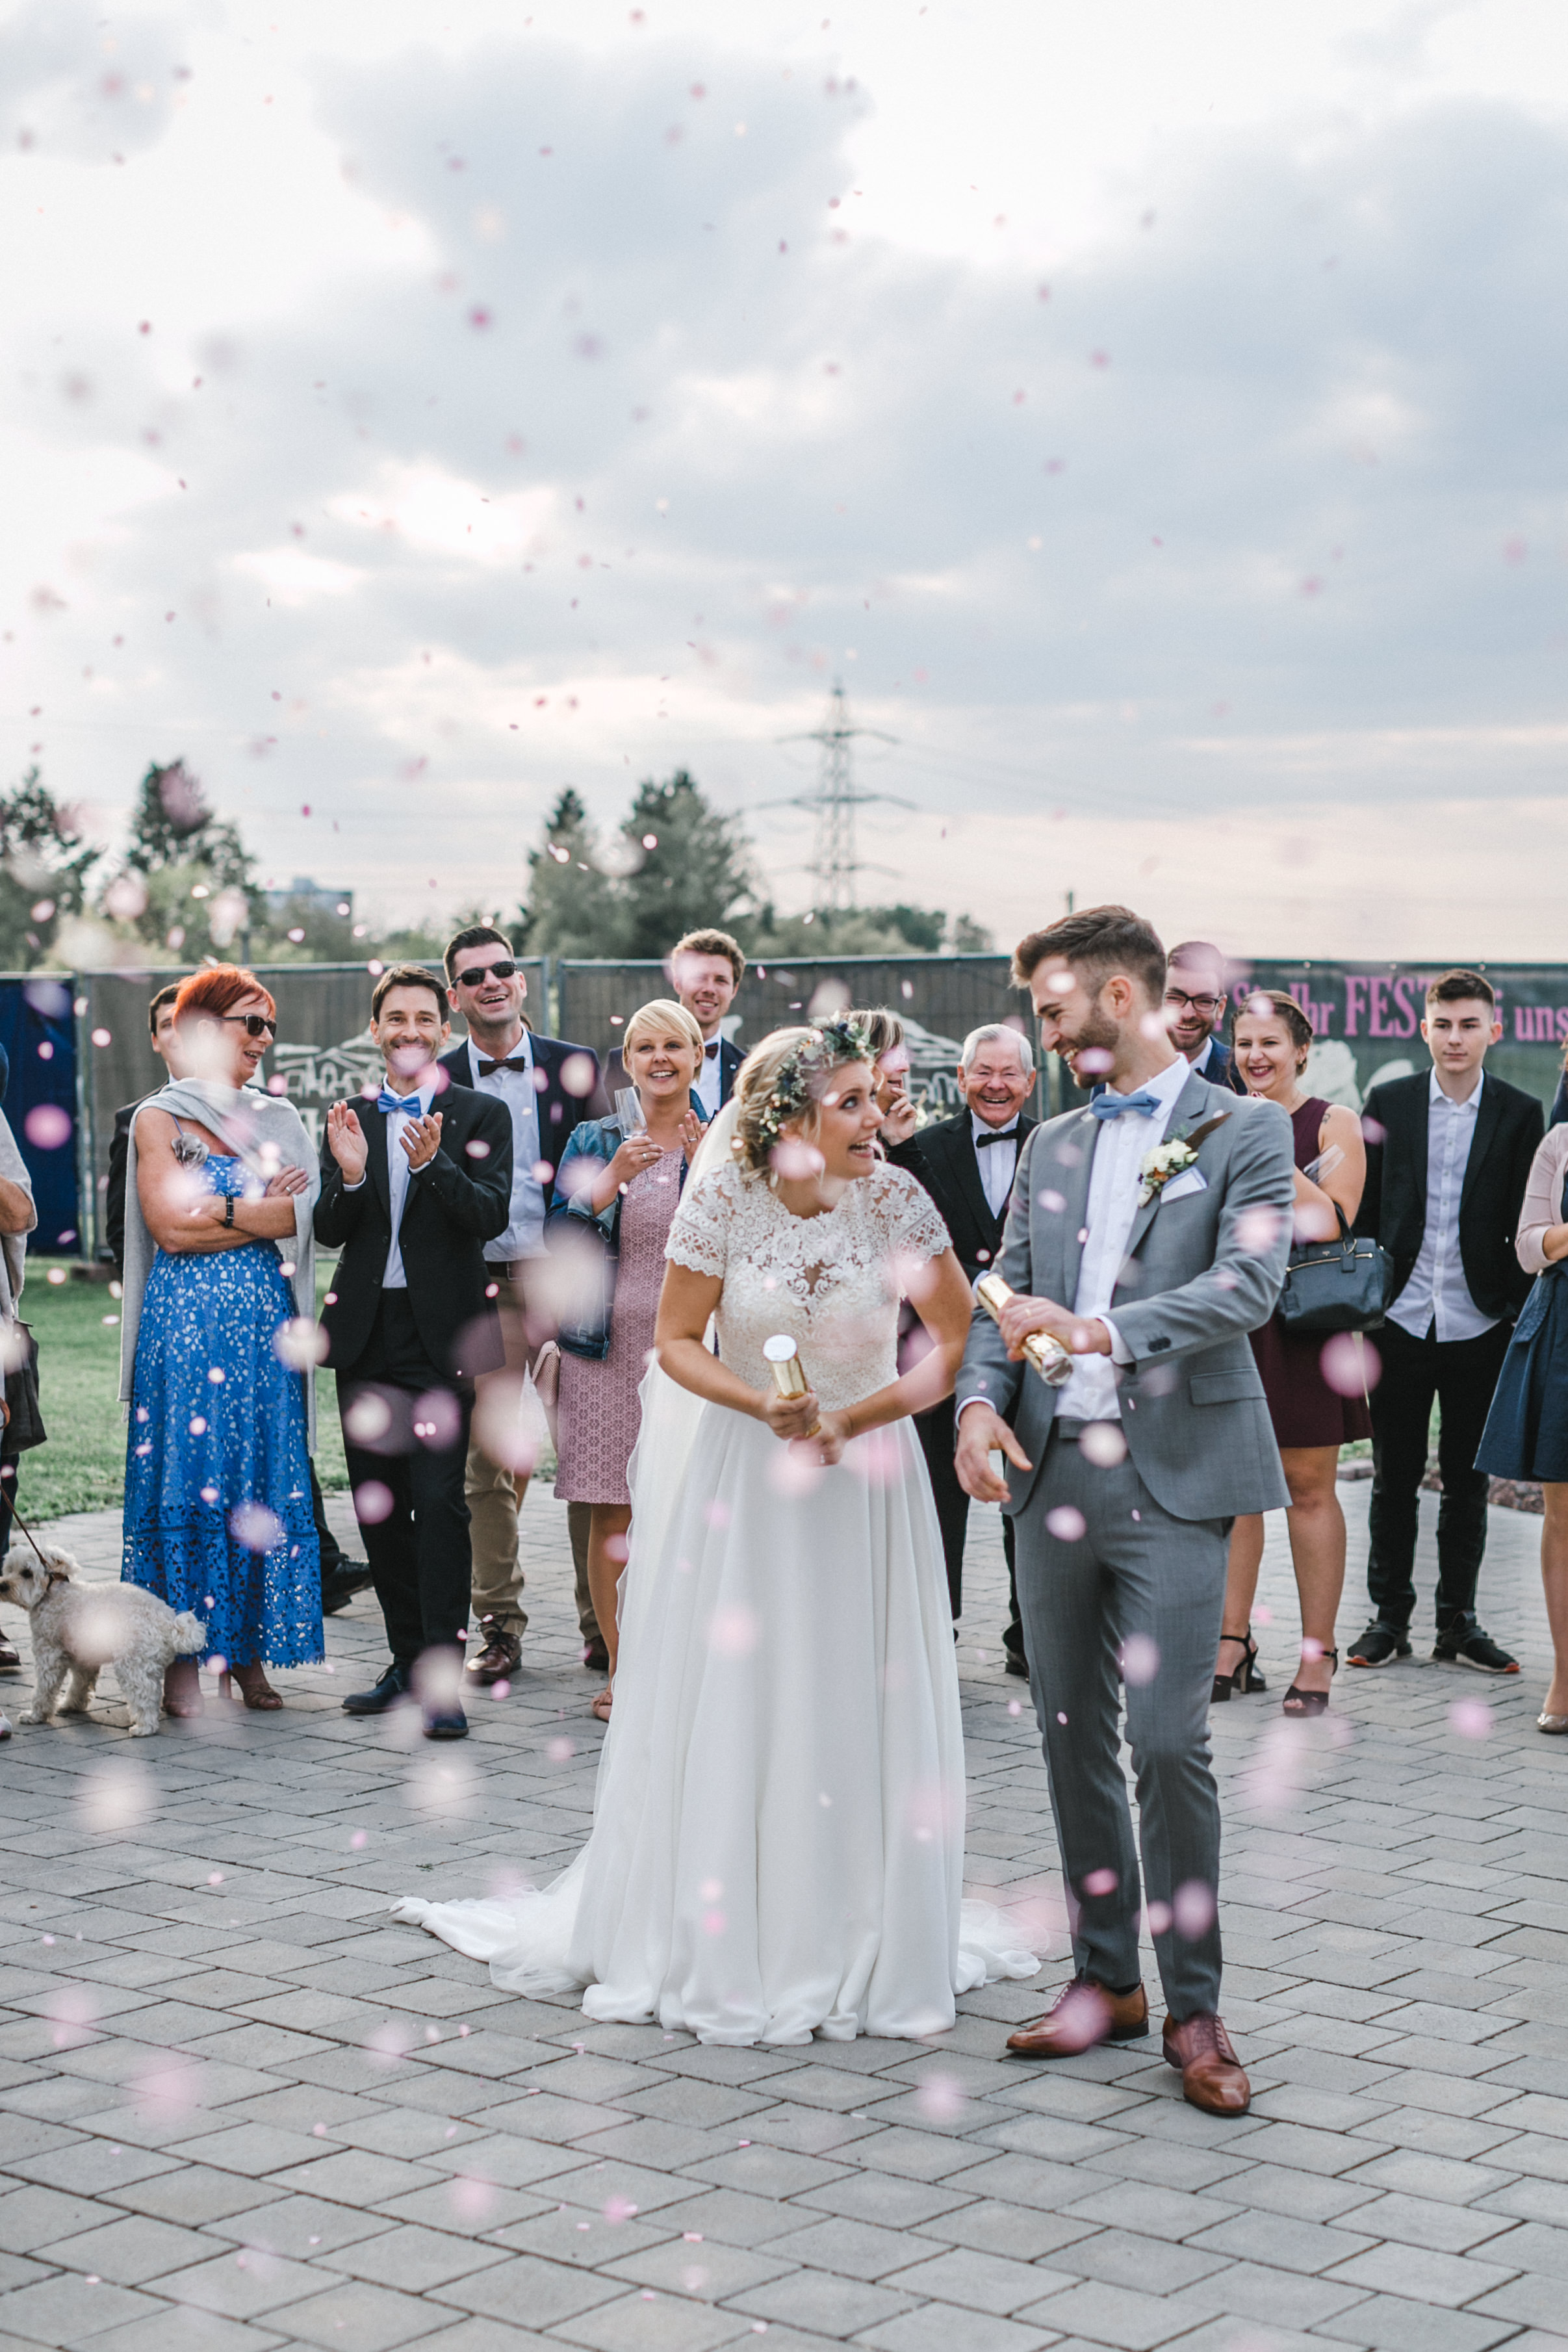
(1082, 2015)
(1212, 2075)
(498, 1660)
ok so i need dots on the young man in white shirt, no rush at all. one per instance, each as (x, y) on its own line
(547, 1086)
(1448, 1160)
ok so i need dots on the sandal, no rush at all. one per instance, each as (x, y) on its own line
(601, 1708)
(1246, 1677)
(182, 1691)
(1300, 1702)
(257, 1692)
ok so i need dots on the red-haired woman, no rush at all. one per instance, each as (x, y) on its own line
(219, 1266)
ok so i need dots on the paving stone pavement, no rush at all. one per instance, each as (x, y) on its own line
(240, 2108)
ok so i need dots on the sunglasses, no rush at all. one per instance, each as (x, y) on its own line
(475, 972)
(255, 1025)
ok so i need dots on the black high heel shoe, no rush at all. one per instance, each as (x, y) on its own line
(1246, 1677)
(1299, 1702)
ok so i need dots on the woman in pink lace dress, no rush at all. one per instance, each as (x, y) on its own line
(617, 1191)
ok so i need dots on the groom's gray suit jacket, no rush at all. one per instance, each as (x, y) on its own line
(1200, 1273)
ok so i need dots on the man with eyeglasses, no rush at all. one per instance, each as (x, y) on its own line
(548, 1086)
(1196, 984)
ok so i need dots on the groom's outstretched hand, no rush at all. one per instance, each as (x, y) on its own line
(981, 1431)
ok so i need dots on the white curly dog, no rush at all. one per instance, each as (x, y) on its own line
(79, 1628)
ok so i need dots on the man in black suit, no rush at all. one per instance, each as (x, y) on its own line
(410, 1193)
(1197, 984)
(967, 1164)
(341, 1577)
(546, 1087)
(706, 969)
(1447, 1158)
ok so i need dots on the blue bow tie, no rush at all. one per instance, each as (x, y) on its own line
(1110, 1106)
(409, 1104)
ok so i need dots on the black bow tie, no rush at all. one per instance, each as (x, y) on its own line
(710, 1051)
(518, 1062)
(997, 1134)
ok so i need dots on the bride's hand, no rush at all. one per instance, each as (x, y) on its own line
(831, 1436)
(790, 1417)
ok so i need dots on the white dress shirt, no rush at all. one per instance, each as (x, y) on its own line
(1436, 1292)
(710, 1078)
(997, 1163)
(398, 1174)
(1120, 1146)
(525, 1233)
(1199, 1067)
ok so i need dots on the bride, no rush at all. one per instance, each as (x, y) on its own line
(778, 1843)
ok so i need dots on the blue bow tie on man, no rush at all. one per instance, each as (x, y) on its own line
(1110, 1106)
(409, 1105)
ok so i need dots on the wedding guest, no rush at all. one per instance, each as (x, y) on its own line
(625, 1185)
(1559, 1111)
(1124, 1480)
(410, 1193)
(218, 1262)
(706, 967)
(1526, 1435)
(18, 1215)
(1447, 1158)
(546, 1085)
(1196, 980)
(966, 1164)
(341, 1577)
(889, 1048)
(1312, 1417)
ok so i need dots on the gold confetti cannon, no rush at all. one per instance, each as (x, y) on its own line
(1050, 1359)
(784, 1361)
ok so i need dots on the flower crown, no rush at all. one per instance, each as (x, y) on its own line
(825, 1045)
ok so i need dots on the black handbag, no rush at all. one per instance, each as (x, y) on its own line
(1339, 1285)
(23, 1425)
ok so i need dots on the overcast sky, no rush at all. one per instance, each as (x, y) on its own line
(1155, 415)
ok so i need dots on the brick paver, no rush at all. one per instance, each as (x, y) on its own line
(241, 2107)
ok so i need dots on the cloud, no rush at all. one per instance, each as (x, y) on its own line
(597, 438)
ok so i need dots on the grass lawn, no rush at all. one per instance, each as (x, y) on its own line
(82, 1467)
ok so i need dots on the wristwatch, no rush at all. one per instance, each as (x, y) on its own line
(228, 1210)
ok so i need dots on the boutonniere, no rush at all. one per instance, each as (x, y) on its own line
(1170, 1158)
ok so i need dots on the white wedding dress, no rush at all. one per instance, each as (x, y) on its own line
(778, 1843)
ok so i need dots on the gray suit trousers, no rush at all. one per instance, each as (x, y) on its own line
(1137, 1577)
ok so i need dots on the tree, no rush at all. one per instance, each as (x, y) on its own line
(572, 908)
(970, 937)
(858, 930)
(684, 867)
(188, 882)
(44, 870)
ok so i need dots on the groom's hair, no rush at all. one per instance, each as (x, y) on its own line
(1095, 943)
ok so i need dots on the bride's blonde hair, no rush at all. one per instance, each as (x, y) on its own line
(782, 1080)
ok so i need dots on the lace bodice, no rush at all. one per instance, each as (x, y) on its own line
(832, 1281)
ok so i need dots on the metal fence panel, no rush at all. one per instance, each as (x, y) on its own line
(38, 1034)
(323, 1049)
(939, 999)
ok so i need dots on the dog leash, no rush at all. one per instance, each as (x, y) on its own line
(18, 1521)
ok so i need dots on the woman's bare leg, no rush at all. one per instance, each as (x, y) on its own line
(1555, 1578)
(1316, 1525)
(1240, 1589)
(606, 1558)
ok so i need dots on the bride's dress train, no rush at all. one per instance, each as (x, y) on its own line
(778, 1840)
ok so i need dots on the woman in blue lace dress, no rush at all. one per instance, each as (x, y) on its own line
(218, 1290)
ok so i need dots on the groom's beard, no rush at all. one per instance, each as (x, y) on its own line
(1099, 1033)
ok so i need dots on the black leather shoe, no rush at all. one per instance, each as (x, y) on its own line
(446, 1723)
(596, 1657)
(394, 1685)
(351, 1576)
(1017, 1664)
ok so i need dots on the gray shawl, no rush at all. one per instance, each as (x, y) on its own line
(247, 1120)
(13, 1246)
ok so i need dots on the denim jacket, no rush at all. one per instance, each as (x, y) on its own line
(572, 1215)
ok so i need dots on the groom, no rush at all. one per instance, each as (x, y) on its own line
(1124, 1482)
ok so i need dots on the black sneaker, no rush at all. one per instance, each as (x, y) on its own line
(1380, 1645)
(1463, 1643)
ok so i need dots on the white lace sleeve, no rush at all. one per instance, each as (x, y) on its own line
(915, 1225)
(699, 1231)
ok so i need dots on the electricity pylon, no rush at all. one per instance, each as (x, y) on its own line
(835, 861)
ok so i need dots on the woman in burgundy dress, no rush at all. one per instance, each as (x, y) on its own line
(1313, 1415)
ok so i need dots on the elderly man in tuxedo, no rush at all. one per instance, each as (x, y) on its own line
(967, 1165)
(1148, 1235)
